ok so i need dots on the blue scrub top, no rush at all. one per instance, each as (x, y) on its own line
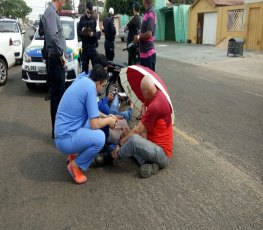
(77, 106)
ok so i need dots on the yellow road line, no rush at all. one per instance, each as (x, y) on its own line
(186, 136)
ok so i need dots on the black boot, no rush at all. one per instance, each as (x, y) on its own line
(49, 93)
(48, 96)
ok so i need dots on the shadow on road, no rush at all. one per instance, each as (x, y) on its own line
(14, 129)
(51, 166)
(44, 166)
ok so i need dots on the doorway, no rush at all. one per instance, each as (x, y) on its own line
(169, 26)
(199, 26)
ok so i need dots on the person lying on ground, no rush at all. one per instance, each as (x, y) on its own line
(110, 105)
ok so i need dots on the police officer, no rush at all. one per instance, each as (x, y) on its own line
(89, 37)
(110, 32)
(133, 26)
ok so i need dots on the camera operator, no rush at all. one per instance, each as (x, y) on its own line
(89, 37)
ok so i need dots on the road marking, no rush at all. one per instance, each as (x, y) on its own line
(258, 95)
(186, 136)
(206, 79)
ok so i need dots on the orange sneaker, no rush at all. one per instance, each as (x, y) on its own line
(76, 173)
(71, 157)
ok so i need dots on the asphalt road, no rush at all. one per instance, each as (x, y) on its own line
(214, 180)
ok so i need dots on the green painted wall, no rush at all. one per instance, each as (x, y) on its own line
(160, 27)
(124, 19)
(181, 22)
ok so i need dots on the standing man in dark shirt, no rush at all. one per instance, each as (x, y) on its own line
(56, 49)
(133, 26)
(146, 37)
(87, 33)
(45, 57)
(110, 32)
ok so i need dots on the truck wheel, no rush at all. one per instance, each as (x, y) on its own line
(3, 72)
(31, 85)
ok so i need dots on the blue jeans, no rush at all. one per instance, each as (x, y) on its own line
(112, 109)
(144, 151)
(84, 141)
(149, 62)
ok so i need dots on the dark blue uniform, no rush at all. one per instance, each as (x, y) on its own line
(110, 32)
(89, 44)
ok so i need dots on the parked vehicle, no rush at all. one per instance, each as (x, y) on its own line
(35, 25)
(123, 34)
(7, 58)
(34, 67)
(11, 28)
(114, 69)
(114, 82)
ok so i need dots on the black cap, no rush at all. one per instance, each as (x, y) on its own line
(89, 5)
(136, 6)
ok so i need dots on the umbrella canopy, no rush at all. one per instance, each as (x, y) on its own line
(131, 78)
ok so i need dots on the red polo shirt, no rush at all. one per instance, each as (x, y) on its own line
(158, 122)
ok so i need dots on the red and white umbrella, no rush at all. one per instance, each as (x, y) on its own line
(131, 78)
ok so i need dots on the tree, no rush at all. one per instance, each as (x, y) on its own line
(68, 5)
(10, 8)
(122, 6)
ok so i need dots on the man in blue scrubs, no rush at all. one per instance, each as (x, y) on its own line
(78, 122)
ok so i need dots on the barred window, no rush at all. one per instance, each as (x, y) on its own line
(236, 20)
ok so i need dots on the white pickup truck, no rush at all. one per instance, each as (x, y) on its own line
(7, 58)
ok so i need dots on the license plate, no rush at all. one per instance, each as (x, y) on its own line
(31, 68)
(42, 70)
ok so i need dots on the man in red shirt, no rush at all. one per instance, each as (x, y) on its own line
(153, 152)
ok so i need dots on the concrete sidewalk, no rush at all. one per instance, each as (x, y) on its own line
(250, 65)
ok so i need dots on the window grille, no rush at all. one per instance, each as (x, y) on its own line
(235, 20)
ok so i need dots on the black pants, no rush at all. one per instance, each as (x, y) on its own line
(89, 53)
(49, 78)
(109, 50)
(149, 62)
(57, 73)
(133, 56)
